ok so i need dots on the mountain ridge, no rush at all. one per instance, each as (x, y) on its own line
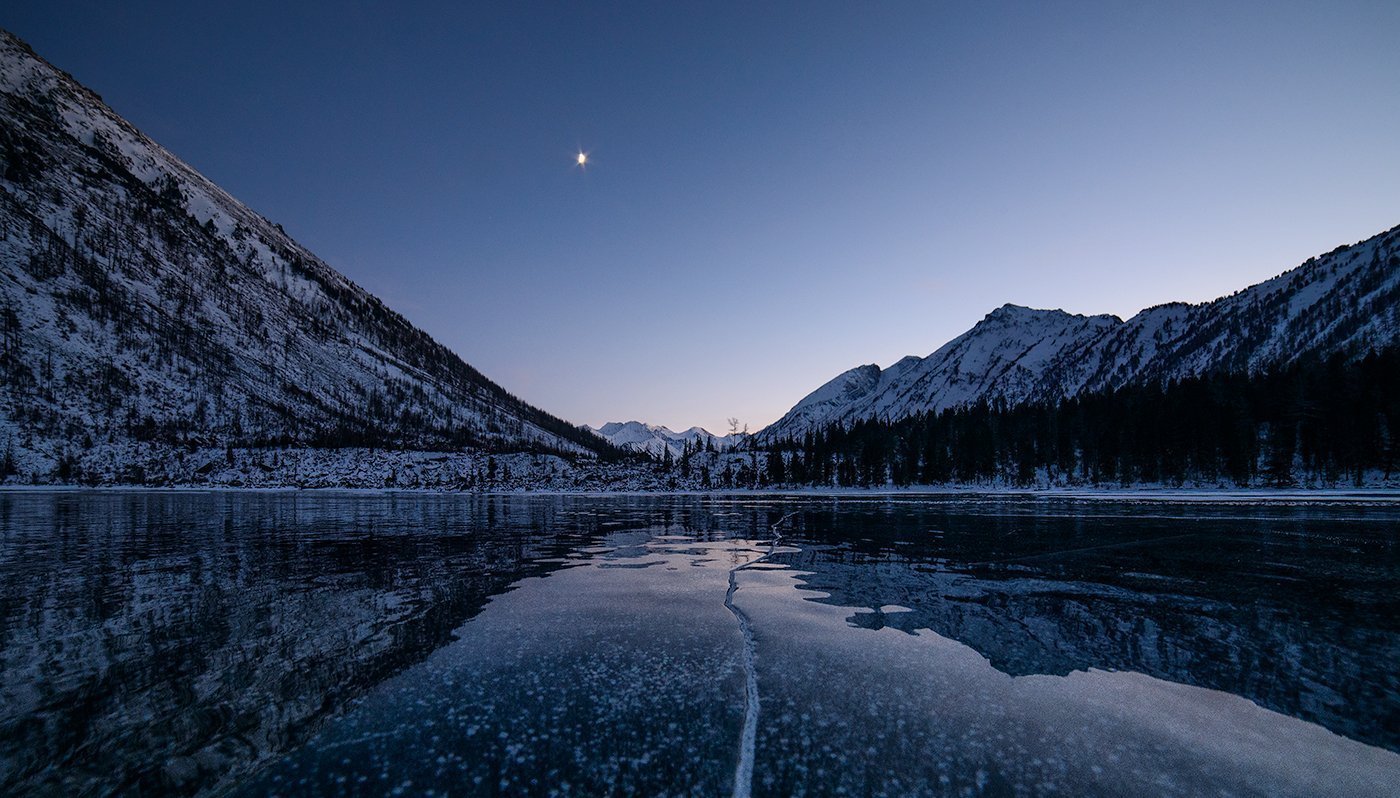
(1347, 300)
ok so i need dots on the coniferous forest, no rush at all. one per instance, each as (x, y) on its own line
(1317, 421)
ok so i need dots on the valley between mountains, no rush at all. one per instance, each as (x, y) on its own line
(156, 331)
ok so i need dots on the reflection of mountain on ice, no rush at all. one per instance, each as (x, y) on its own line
(890, 712)
(573, 657)
(264, 615)
(1028, 623)
(574, 675)
(591, 640)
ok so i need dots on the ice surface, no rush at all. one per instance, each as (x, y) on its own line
(920, 714)
(362, 644)
(616, 675)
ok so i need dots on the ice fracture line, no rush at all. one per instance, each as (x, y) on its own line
(743, 772)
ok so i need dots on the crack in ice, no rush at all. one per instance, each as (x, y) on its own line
(743, 771)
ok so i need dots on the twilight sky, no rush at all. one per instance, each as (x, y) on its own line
(773, 195)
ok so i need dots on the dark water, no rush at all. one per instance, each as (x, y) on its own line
(163, 643)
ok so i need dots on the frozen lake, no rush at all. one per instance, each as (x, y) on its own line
(323, 643)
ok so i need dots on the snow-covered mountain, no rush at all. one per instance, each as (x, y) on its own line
(1347, 301)
(656, 440)
(140, 302)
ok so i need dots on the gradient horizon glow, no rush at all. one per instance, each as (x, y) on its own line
(771, 195)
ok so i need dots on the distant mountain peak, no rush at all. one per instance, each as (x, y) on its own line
(656, 439)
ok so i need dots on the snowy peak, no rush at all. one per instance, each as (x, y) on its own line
(1012, 314)
(1000, 352)
(1001, 356)
(1017, 337)
(1033, 320)
(657, 440)
(1346, 301)
(827, 403)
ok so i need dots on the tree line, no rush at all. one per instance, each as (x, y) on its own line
(1327, 420)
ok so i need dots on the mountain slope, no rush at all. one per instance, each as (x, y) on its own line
(140, 302)
(1347, 302)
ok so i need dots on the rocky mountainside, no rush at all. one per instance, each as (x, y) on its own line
(141, 303)
(1347, 301)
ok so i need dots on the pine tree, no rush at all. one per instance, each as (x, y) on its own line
(777, 474)
(8, 466)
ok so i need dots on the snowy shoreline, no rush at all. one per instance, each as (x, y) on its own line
(126, 466)
(1365, 495)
